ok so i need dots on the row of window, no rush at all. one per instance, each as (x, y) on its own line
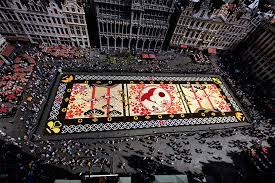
(75, 19)
(41, 19)
(261, 67)
(114, 28)
(205, 25)
(178, 39)
(46, 29)
(14, 28)
(159, 2)
(60, 40)
(78, 31)
(72, 9)
(7, 15)
(125, 29)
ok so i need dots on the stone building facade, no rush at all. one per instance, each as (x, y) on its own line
(139, 25)
(220, 29)
(42, 22)
(257, 51)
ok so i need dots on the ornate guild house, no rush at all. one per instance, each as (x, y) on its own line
(42, 22)
(221, 28)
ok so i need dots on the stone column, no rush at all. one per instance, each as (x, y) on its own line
(100, 42)
(108, 44)
(142, 44)
(115, 41)
(155, 44)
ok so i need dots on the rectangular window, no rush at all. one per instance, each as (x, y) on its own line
(81, 20)
(54, 20)
(69, 18)
(75, 19)
(78, 31)
(84, 31)
(197, 24)
(72, 29)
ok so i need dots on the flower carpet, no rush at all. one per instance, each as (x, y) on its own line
(89, 103)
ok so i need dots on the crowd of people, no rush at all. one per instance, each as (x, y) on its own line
(14, 79)
(200, 58)
(80, 155)
(63, 52)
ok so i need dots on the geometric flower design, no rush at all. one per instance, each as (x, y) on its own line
(87, 103)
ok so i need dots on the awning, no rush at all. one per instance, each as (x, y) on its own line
(212, 51)
(183, 46)
(152, 55)
(145, 56)
(1, 62)
(8, 50)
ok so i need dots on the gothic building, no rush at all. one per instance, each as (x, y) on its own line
(41, 22)
(221, 28)
(139, 25)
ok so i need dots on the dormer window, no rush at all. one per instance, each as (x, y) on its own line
(18, 5)
(202, 13)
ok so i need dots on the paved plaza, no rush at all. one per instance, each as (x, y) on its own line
(165, 116)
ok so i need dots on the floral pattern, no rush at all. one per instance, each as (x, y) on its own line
(78, 101)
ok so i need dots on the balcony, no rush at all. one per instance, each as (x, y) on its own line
(115, 2)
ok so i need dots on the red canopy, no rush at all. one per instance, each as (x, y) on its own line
(152, 55)
(8, 50)
(1, 62)
(212, 50)
(144, 56)
(183, 46)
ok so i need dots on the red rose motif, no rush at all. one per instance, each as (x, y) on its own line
(144, 111)
(135, 110)
(69, 114)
